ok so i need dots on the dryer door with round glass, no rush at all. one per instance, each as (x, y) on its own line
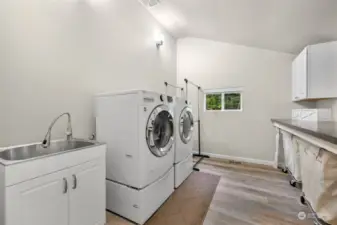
(186, 125)
(159, 131)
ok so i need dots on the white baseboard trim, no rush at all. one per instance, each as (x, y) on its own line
(239, 159)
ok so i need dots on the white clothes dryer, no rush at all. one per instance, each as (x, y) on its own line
(184, 126)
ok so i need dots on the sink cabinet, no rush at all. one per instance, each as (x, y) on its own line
(87, 194)
(73, 194)
(39, 201)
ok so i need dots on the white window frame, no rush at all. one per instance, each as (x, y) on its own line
(223, 92)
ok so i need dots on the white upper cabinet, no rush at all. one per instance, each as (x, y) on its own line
(299, 77)
(314, 72)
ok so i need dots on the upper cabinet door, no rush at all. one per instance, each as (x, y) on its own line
(302, 71)
(295, 96)
(322, 64)
(87, 193)
(299, 76)
(40, 201)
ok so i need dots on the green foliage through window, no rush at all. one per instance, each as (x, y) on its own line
(213, 101)
(232, 101)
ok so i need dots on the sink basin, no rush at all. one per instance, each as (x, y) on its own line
(35, 151)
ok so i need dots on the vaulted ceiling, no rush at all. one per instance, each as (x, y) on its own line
(281, 25)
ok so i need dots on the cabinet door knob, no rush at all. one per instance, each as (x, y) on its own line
(65, 186)
(75, 182)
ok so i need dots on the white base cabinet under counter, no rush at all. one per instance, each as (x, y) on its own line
(65, 189)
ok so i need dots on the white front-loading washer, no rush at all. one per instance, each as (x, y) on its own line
(138, 128)
(184, 126)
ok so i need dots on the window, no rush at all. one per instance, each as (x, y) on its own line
(223, 99)
(232, 101)
(213, 102)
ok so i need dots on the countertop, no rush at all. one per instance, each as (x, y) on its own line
(326, 131)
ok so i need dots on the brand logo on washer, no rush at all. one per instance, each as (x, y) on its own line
(148, 99)
(302, 215)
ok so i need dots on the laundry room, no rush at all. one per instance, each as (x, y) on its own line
(168, 112)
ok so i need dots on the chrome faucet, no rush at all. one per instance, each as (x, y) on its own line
(69, 131)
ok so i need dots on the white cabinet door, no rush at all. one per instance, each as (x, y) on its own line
(299, 76)
(41, 201)
(294, 81)
(323, 70)
(301, 73)
(87, 193)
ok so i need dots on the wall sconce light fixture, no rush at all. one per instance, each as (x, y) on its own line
(159, 39)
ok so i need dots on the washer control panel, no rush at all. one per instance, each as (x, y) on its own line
(169, 99)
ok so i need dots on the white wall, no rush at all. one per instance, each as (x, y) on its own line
(330, 103)
(55, 55)
(265, 77)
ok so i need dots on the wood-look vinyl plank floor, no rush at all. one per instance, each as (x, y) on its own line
(253, 195)
(246, 195)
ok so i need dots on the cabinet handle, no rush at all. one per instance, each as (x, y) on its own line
(75, 182)
(65, 186)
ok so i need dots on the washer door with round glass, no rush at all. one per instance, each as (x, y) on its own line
(186, 125)
(159, 131)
